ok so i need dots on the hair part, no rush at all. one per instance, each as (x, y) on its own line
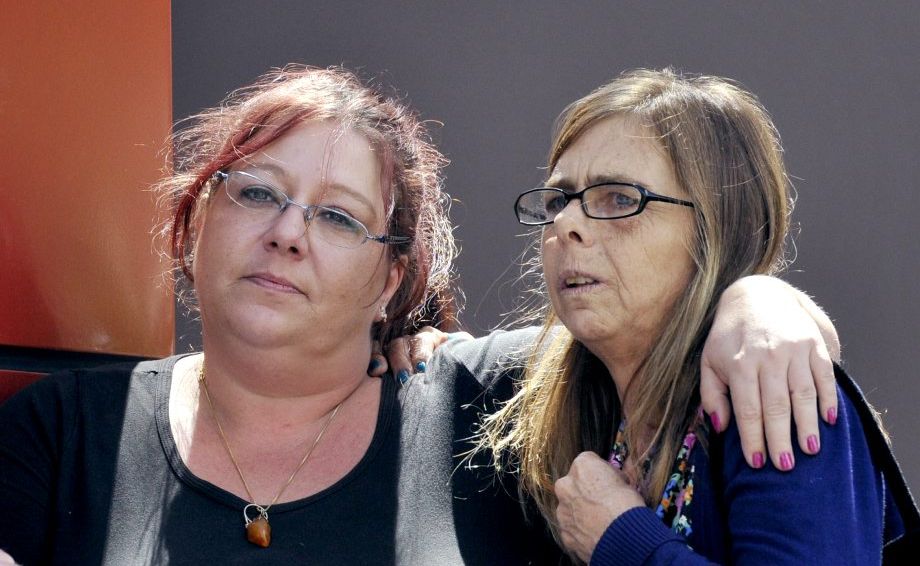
(411, 177)
(726, 154)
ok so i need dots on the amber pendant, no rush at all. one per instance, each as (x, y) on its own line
(259, 532)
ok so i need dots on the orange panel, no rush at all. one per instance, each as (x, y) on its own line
(86, 105)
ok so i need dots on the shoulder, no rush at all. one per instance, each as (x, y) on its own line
(467, 372)
(846, 441)
(60, 393)
(487, 358)
(845, 452)
(830, 504)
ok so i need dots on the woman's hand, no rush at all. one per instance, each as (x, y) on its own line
(410, 354)
(770, 347)
(591, 496)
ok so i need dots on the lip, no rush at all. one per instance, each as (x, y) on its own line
(571, 273)
(273, 282)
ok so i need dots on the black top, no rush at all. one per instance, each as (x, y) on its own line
(90, 474)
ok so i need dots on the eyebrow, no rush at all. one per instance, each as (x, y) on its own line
(330, 187)
(594, 179)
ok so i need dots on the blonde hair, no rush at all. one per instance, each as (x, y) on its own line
(726, 154)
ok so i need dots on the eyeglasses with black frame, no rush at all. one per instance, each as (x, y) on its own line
(267, 202)
(603, 201)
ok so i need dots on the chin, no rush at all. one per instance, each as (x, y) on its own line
(256, 326)
(587, 326)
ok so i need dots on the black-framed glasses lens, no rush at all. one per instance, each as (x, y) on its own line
(611, 201)
(542, 205)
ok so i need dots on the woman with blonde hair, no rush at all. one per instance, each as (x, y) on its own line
(662, 191)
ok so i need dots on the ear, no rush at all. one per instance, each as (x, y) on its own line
(394, 278)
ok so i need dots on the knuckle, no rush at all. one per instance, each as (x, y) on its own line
(748, 413)
(582, 458)
(804, 394)
(826, 377)
(778, 408)
(770, 349)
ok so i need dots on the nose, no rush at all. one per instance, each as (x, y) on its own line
(571, 224)
(286, 233)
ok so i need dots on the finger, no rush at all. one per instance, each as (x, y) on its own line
(804, 399)
(583, 463)
(398, 356)
(423, 345)
(378, 365)
(714, 397)
(746, 405)
(567, 540)
(565, 519)
(777, 416)
(561, 487)
(825, 383)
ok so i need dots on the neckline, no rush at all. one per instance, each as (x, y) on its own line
(382, 428)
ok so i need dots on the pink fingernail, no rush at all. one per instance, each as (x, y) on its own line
(716, 423)
(785, 461)
(813, 444)
(832, 415)
(758, 460)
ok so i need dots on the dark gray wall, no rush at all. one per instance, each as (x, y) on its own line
(841, 79)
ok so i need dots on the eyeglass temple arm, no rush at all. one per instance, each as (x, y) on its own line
(672, 200)
(390, 239)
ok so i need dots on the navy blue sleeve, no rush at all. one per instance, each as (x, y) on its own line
(639, 537)
(828, 509)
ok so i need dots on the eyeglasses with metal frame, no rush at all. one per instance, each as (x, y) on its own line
(603, 201)
(332, 225)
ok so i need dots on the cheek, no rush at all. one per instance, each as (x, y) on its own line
(652, 262)
(548, 260)
(673, 268)
(348, 274)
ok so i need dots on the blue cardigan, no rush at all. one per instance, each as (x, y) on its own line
(831, 508)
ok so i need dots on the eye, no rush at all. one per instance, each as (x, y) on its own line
(257, 196)
(611, 201)
(553, 203)
(624, 199)
(338, 220)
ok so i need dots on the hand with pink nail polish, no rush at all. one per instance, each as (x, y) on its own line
(768, 357)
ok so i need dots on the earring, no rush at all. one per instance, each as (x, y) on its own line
(383, 313)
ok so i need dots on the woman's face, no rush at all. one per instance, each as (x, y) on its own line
(267, 279)
(612, 282)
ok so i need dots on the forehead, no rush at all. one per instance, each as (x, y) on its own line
(325, 153)
(615, 148)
